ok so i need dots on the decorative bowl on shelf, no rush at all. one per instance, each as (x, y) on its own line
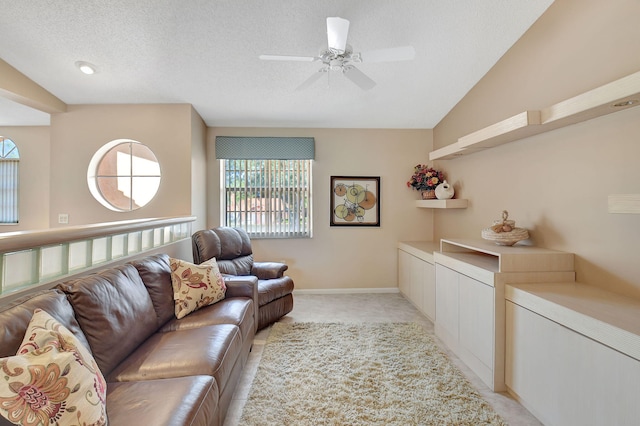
(504, 232)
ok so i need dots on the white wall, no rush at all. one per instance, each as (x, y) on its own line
(345, 257)
(556, 184)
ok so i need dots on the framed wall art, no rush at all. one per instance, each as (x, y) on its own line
(355, 201)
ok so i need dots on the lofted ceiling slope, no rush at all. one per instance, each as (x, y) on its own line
(205, 53)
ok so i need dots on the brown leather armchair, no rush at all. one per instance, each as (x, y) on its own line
(232, 249)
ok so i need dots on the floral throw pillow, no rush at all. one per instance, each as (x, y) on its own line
(195, 286)
(52, 380)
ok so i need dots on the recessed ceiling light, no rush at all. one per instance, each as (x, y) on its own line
(626, 103)
(86, 67)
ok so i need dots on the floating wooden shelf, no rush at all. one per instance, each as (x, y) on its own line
(453, 151)
(446, 153)
(517, 127)
(612, 97)
(453, 203)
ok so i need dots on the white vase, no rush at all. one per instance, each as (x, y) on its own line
(444, 191)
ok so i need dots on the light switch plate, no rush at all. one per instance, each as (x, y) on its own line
(624, 203)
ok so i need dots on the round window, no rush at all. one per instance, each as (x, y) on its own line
(124, 175)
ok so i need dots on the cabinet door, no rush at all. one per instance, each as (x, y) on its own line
(416, 288)
(404, 272)
(429, 289)
(476, 318)
(447, 300)
(567, 378)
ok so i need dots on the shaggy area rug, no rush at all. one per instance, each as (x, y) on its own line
(360, 374)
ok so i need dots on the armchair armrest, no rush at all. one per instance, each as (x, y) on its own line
(268, 270)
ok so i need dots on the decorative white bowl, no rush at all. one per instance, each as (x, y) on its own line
(505, 238)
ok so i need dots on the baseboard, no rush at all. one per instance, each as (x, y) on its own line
(345, 290)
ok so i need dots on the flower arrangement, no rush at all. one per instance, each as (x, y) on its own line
(425, 178)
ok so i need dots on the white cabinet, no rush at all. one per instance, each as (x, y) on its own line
(465, 315)
(447, 290)
(476, 301)
(573, 353)
(470, 282)
(416, 275)
(429, 292)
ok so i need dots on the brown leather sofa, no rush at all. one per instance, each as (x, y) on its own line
(159, 370)
(232, 249)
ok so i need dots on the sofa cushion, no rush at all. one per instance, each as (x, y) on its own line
(156, 276)
(52, 378)
(212, 350)
(15, 318)
(238, 311)
(192, 401)
(114, 311)
(195, 286)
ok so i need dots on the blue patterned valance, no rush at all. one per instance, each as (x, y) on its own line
(264, 148)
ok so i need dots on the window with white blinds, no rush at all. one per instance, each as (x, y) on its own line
(266, 185)
(267, 198)
(9, 162)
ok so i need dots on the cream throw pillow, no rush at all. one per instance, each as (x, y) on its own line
(52, 380)
(195, 286)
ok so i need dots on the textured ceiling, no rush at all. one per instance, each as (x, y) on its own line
(206, 53)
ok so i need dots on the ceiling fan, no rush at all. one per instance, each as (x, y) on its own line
(340, 57)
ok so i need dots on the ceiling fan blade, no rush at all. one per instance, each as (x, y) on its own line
(404, 53)
(314, 77)
(288, 58)
(359, 78)
(337, 32)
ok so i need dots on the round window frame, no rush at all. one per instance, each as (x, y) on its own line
(93, 176)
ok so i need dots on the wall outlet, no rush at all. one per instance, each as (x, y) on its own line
(63, 218)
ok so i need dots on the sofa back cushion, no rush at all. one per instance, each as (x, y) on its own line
(230, 246)
(114, 311)
(15, 318)
(156, 276)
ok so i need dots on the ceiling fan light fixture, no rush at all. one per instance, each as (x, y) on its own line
(340, 57)
(86, 67)
(337, 31)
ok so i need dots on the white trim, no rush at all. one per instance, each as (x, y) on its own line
(346, 290)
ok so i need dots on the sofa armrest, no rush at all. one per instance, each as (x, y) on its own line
(241, 286)
(244, 286)
(268, 270)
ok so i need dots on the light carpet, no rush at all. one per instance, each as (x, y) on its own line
(360, 374)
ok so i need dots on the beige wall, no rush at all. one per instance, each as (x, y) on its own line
(556, 184)
(33, 200)
(76, 135)
(345, 257)
(198, 171)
